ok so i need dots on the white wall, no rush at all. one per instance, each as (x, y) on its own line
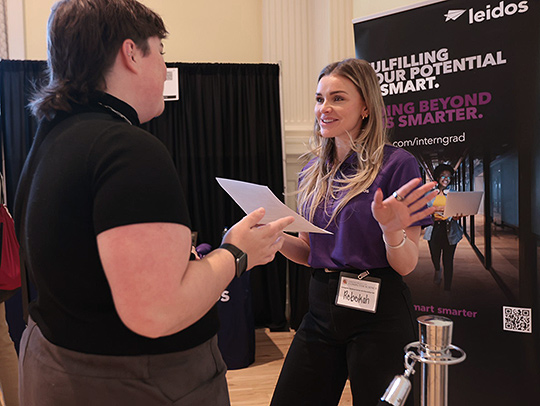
(199, 31)
(364, 8)
(15, 29)
(301, 35)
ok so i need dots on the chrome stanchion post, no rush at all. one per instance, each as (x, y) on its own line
(434, 352)
(435, 338)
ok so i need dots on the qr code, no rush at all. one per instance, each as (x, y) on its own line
(517, 319)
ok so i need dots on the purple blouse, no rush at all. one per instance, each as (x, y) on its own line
(357, 240)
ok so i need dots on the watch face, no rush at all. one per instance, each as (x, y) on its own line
(241, 264)
(240, 257)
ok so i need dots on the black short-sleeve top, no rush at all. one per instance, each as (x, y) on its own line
(88, 172)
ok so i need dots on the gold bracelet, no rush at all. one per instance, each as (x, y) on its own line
(401, 244)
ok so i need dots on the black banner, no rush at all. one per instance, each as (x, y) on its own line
(461, 82)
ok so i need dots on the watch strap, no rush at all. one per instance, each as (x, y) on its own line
(240, 258)
(233, 249)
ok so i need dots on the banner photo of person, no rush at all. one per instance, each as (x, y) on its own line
(461, 81)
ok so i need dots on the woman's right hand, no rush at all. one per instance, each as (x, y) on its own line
(395, 215)
(259, 242)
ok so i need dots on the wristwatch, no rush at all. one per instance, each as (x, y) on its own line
(239, 256)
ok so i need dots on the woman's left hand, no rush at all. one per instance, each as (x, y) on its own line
(406, 206)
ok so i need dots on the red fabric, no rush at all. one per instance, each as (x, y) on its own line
(10, 266)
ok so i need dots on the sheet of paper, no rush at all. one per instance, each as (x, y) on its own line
(250, 196)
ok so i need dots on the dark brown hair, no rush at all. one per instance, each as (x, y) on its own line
(83, 40)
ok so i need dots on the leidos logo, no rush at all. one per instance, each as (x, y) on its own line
(501, 10)
(453, 15)
(497, 12)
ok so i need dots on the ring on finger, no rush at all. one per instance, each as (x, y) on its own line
(397, 197)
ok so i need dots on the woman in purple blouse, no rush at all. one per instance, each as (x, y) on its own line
(360, 315)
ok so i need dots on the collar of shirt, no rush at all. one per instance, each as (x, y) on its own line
(116, 106)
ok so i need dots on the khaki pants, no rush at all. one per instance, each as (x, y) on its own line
(55, 376)
(9, 371)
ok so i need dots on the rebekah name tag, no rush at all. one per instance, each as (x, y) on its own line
(359, 292)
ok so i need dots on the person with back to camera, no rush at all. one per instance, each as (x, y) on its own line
(122, 316)
(445, 233)
(374, 240)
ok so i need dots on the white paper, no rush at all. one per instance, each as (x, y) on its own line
(250, 196)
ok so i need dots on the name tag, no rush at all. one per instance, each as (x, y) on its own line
(358, 292)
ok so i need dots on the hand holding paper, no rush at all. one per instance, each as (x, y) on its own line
(250, 196)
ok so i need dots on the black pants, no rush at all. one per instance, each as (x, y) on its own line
(439, 245)
(334, 343)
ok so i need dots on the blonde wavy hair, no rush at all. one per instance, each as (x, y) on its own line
(318, 182)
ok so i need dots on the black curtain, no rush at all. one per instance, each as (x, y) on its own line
(17, 129)
(226, 124)
(17, 81)
(299, 279)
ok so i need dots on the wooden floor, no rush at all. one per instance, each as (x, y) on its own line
(253, 386)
